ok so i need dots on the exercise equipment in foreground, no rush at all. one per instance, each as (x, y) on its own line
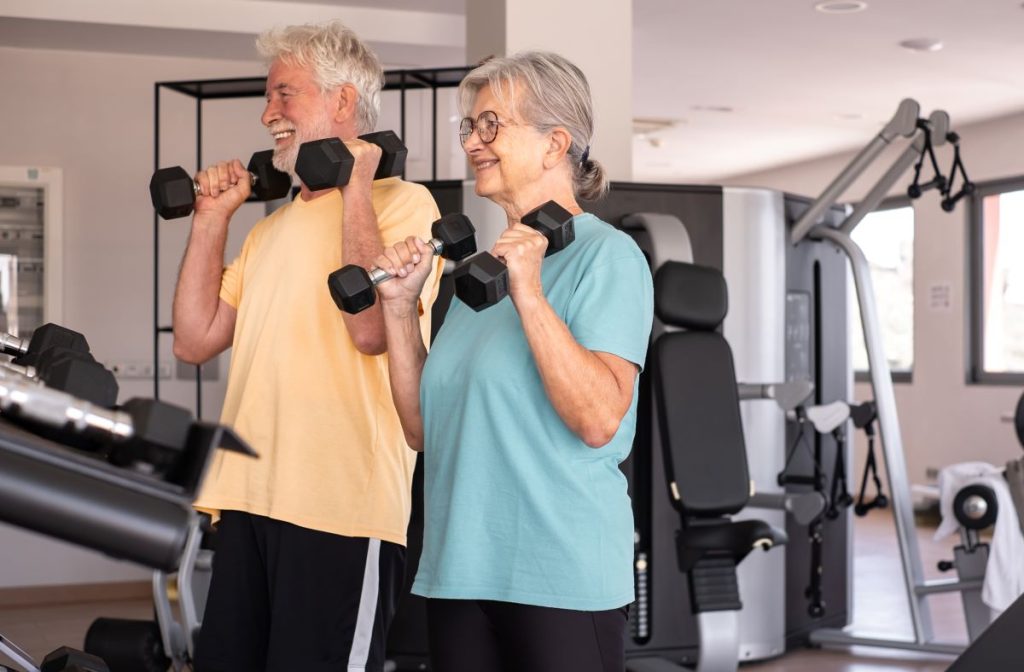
(43, 338)
(75, 496)
(72, 371)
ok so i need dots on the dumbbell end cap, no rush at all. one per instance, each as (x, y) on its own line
(481, 282)
(270, 183)
(457, 236)
(351, 289)
(555, 222)
(173, 192)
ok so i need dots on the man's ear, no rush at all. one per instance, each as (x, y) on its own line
(559, 143)
(346, 99)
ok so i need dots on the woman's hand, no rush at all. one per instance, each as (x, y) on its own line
(408, 263)
(522, 249)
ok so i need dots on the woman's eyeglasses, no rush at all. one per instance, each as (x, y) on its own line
(486, 126)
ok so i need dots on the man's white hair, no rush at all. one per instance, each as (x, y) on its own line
(336, 56)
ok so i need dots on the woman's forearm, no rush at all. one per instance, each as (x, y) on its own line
(406, 355)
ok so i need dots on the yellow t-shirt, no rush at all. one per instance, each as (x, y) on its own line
(332, 455)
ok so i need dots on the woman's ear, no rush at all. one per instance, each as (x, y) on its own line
(559, 142)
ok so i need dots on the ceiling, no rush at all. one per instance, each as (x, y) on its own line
(720, 87)
(803, 84)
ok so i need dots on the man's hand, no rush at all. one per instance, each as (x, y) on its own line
(224, 186)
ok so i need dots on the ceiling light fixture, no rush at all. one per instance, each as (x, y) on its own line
(841, 6)
(713, 108)
(645, 128)
(923, 44)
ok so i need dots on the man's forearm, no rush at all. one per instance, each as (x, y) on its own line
(360, 245)
(197, 293)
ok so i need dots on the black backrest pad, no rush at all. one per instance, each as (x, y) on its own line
(690, 296)
(699, 421)
(1018, 420)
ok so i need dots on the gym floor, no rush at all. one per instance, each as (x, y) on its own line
(880, 606)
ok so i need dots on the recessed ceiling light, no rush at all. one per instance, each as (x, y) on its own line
(642, 125)
(841, 6)
(922, 44)
(713, 108)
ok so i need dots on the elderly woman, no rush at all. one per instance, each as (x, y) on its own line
(526, 409)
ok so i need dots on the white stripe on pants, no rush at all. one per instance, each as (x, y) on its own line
(363, 636)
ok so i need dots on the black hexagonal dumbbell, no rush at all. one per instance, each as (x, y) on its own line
(158, 436)
(45, 337)
(66, 659)
(77, 373)
(59, 357)
(352, 287)
(326, 163)
(483, 280)
(174, 191)
(130, 645)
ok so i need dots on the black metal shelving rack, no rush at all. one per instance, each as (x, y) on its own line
(253, 87)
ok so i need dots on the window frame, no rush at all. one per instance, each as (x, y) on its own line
(976, 373)
(895, 203)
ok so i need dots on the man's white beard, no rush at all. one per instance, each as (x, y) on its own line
(284, 159)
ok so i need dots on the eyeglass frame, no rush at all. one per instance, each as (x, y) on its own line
(496, 123)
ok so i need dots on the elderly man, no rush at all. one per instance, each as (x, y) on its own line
(310, 549)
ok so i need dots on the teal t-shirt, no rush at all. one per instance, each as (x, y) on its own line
(517, 507)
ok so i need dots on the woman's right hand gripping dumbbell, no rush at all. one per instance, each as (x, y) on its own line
(409, 262)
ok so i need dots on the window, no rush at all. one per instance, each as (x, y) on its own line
(887, 238)
(997, 282)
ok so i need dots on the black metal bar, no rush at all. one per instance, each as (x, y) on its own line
(156, 248)
(433, 134)
(199, 166)
(401, 117)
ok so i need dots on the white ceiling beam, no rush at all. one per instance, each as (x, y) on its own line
(248, 17)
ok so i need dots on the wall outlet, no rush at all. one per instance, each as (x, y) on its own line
(139, 369)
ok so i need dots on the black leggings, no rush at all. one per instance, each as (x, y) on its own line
(485, 636)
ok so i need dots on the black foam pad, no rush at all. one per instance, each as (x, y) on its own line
(690, 296)
(1018, 420)
(700, 424)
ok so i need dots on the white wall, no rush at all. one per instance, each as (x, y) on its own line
(942, 418)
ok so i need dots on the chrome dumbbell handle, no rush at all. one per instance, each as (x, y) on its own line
(27, 398)
(378, 275)
(12, 345)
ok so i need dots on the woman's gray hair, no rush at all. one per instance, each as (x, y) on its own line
(336, 56)
(547, 92)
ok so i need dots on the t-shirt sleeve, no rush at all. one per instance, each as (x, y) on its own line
(411, 212)
(612, 307)
(415, 214)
